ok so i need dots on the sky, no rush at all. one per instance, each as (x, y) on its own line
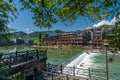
(24, 22)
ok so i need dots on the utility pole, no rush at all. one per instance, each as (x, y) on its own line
(106, 44)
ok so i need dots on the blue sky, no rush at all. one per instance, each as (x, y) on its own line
(24, 22)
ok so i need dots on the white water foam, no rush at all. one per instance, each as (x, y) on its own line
(84, 61)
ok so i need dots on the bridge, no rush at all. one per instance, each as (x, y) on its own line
(23, 64)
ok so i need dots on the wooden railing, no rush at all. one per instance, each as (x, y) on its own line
(18, 61)
(10, 59)
(69, 60)
(81, 73)
(57, 76)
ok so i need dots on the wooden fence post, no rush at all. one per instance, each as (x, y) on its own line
(89, 73)
(73, 70)
(27, 55)
(37, 54)
(10, 61)
(0, 60)
(48, 67)
(35, 74)
(45, 51)
(67, 78)
(52, 75)
(16, 57)
(61, 66)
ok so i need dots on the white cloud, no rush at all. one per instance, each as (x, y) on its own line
(27, 30)
(113, 21)
(105, 22)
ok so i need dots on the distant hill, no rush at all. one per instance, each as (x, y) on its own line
(19, 34)
(33, 35)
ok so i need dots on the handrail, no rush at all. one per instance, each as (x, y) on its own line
(11, 59)
(88, 73)
(70, 60)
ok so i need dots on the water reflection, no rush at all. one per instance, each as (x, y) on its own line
(14, 48)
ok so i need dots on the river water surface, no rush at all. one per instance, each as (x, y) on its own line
(57, 56)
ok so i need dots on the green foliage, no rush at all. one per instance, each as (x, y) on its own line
(44, 44)
(107, 26)
(114, 36)
(34, 35)
(36, 42)
(48, 12)
(17, 76)
(7, 13)
(20, 34)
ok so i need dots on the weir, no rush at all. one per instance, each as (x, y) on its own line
(68, 61)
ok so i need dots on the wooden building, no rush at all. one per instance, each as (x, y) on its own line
(91, 37)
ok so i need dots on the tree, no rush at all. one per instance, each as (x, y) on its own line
(7, 13)
(36, 42)
(48, 12)
(117, 34)
(59, 31)
(113, 37)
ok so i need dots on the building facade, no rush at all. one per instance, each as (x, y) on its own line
(51, 38)
(88, 37)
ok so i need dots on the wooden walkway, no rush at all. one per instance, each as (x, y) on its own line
(55, 76)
